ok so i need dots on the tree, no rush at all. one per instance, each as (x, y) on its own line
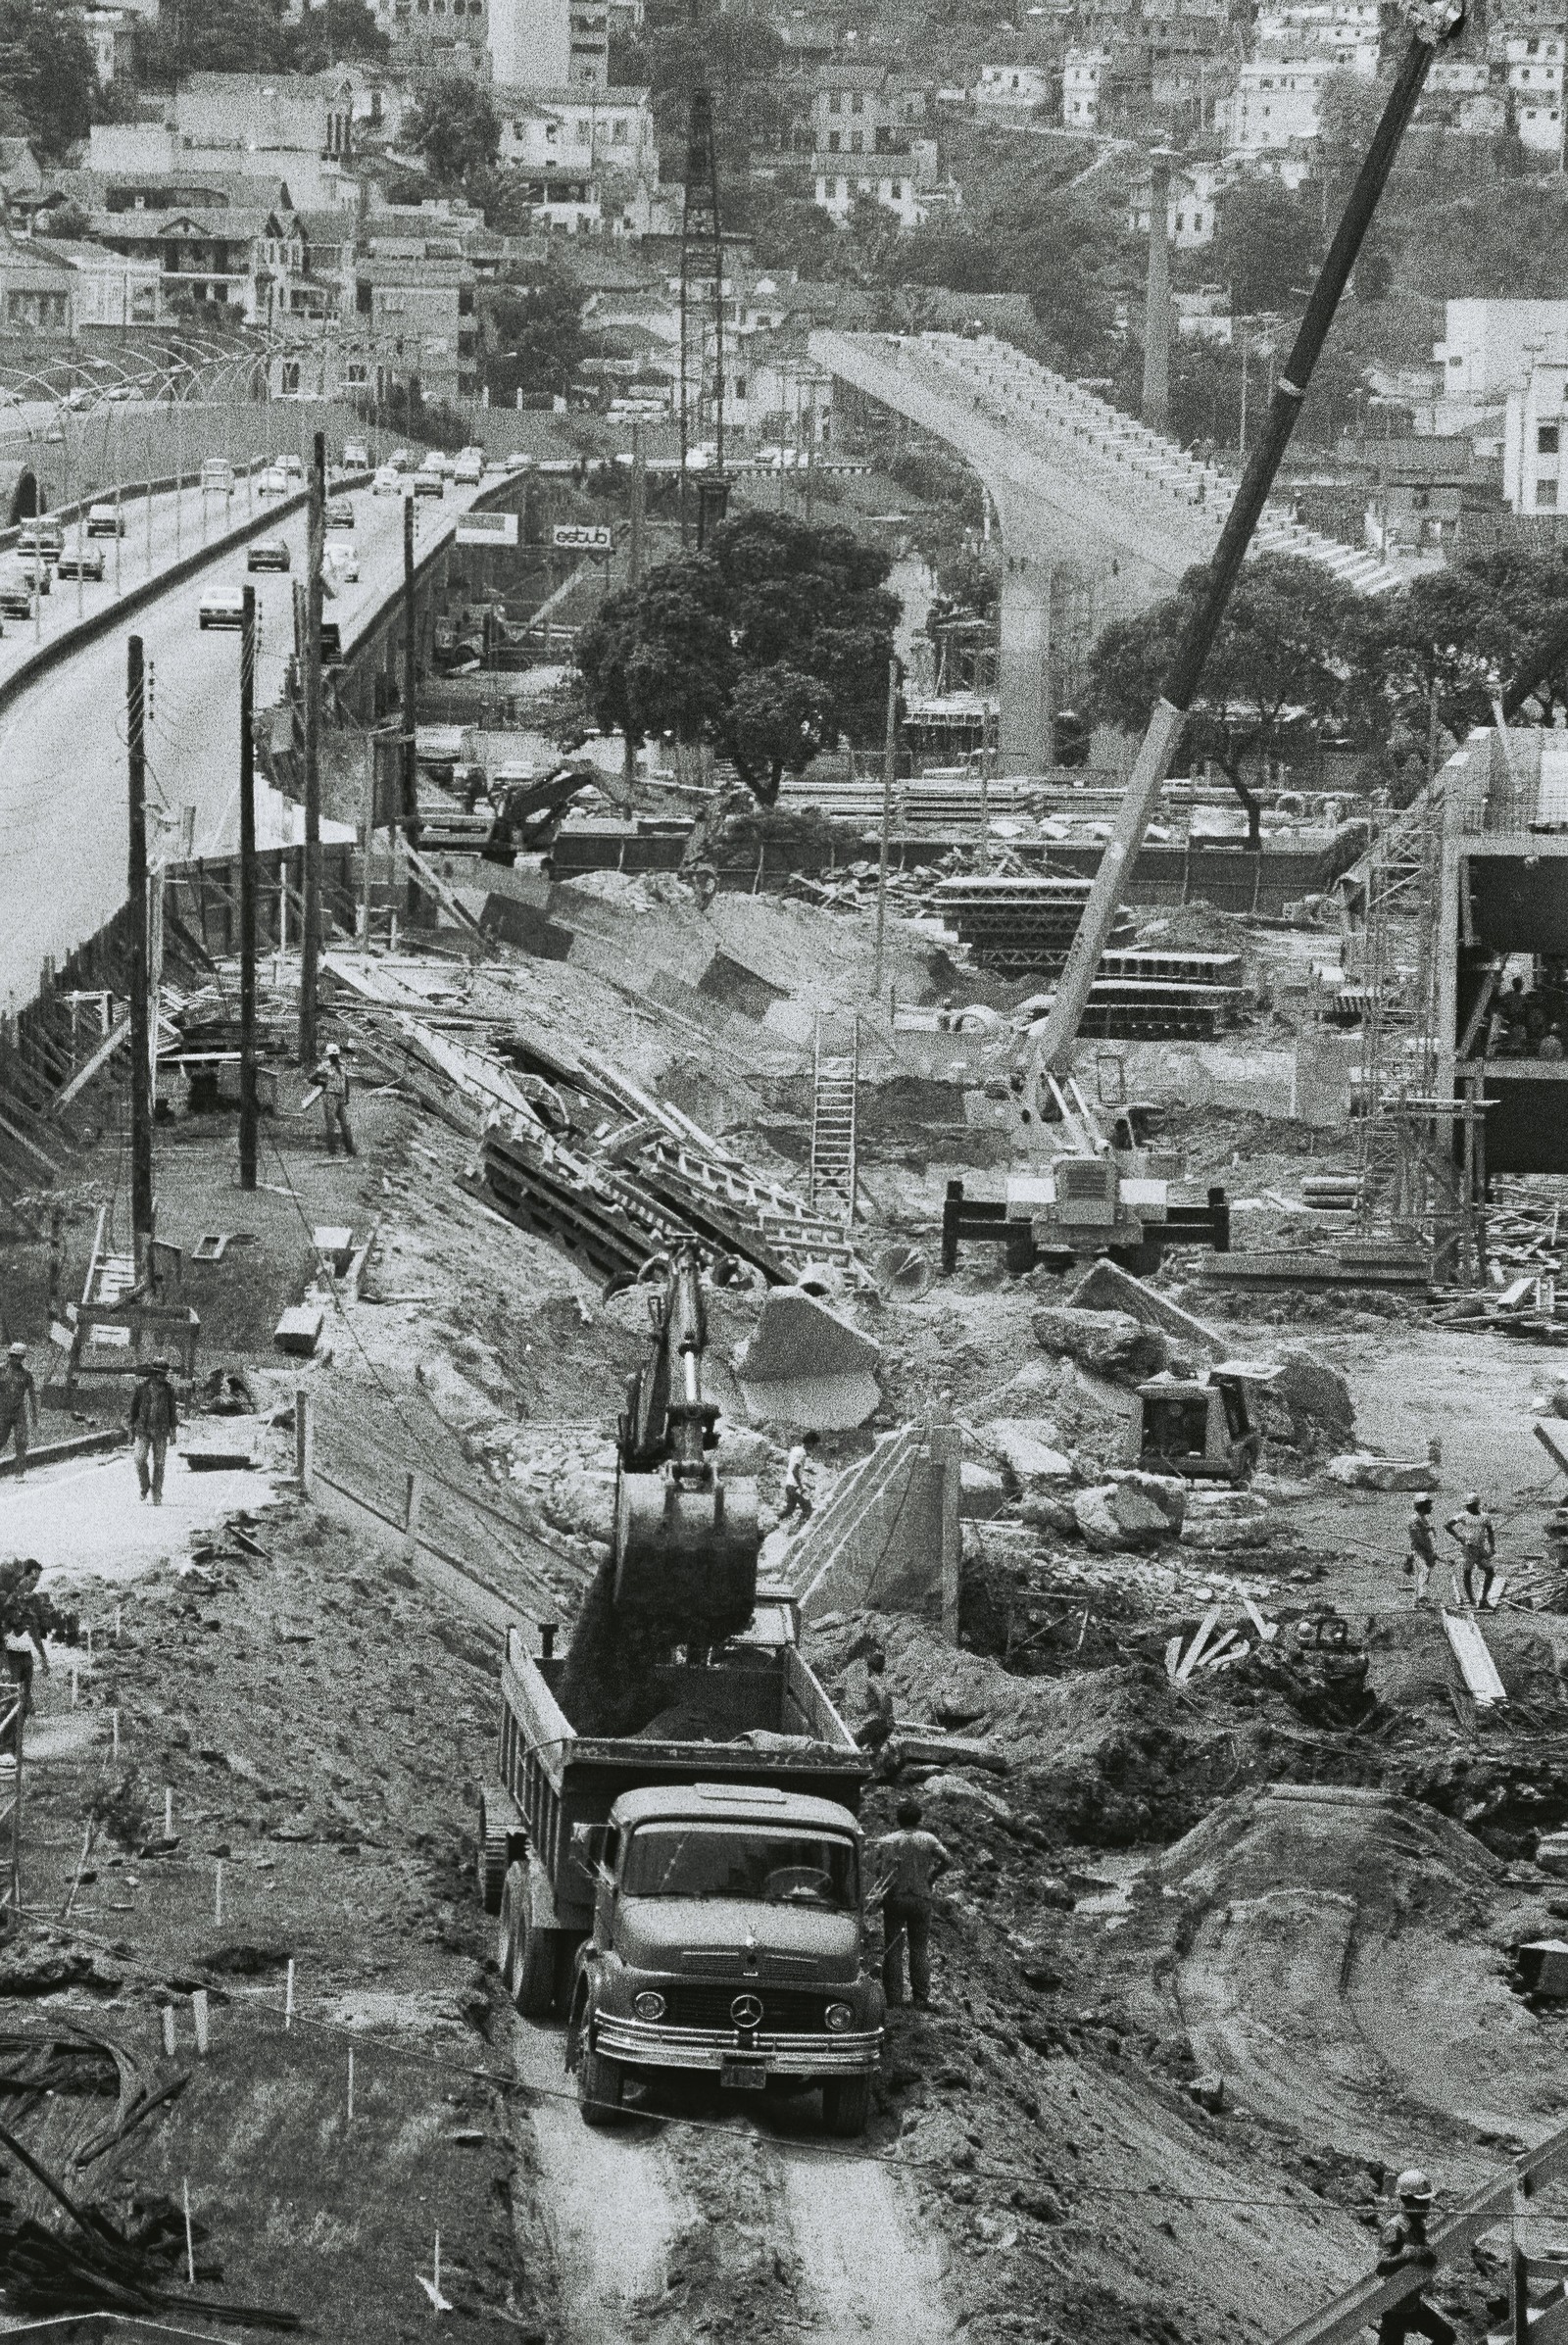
(1286, 646)
(1461, 631)
(210, 36)
(455, 128)
(531, 336)
(337, 31)
(48, 73)
(771, 644)
(1267, 245)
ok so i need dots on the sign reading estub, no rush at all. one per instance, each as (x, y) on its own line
(487, 529)
(583, 537)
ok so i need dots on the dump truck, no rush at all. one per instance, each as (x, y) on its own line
(671, 1840)
(685, 1902)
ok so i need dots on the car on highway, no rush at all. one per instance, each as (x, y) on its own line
(273, 482)
(217, 476)
(469, 469)
(293, 467)
(388, 482)
(428, 483)
(340, 512)
(81, 562)
(400, 461)
(16, 598)
(341, 564)
(105, 520)
(356, 456)
(222, 606)
(41, 535)
(266, 554)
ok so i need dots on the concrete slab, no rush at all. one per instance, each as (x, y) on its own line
(806, 1366)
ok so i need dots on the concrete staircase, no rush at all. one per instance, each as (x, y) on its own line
(887, 1540)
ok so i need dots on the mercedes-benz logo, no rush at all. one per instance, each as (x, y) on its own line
(746, 2011)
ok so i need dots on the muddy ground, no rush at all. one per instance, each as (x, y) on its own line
(1165, 2079)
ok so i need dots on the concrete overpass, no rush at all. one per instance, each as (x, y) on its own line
(63, 783)
(1088, 499)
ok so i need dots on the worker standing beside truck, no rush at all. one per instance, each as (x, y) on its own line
(909, 1864)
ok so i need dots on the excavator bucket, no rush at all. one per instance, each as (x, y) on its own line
(687, 1554)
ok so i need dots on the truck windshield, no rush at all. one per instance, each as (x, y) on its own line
(731, 1860)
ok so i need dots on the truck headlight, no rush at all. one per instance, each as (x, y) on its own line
(840, 2017)
(648, 2006)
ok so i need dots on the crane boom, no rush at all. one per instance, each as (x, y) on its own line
(1050, 1043)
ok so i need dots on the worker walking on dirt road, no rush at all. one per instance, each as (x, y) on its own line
(1421, 1551)
(1403, 2246)
(19, 1405)
(907, 1864)
(334, 1077)
(154, 1419)
(1478, 1544)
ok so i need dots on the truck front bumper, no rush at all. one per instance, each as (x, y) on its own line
(648, 2044)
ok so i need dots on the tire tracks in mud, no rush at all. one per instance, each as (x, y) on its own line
(658, 2229)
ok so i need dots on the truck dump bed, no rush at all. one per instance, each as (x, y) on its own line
(753, 1717)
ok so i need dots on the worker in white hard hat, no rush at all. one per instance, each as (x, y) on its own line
(19, 1404)
(1403, 2246)
(333, 1076)
(1473, 1528)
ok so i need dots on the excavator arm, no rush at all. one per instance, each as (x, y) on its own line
(1050, 1045)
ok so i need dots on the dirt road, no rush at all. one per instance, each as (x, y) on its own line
(657, 2217)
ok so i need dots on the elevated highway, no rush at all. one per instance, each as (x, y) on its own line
(63, 779)
(1095, 508)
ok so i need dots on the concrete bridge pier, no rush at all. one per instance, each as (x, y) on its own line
(1027, 723)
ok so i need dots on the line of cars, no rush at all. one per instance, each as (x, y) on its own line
(402, 476)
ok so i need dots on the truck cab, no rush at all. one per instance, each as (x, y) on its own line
(728, 1937)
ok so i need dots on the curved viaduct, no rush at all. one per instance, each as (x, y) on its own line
(1085, 496)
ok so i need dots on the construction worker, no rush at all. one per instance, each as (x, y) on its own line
(154, 1418)
(1472, 1526)
(334, 1077)
(19, 1405)
(22, 1629)
(1403, 2246)
(876, 1727)
(1421, 1553)
(798, 1500)
(907, 1864)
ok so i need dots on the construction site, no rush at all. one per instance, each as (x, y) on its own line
(787, 1566)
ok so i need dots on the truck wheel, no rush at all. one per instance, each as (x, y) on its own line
(490, 1866)
(601, 2081)
(535, 1990)
(846, 2105)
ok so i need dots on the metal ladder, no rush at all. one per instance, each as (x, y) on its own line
(835, 1077)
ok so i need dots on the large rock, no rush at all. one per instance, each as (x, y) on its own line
(1118, 1515)
(1309, 1404)
(1360, 1469)
(1108, 1343)
(1026, 1448)
(1167, 1492)
(982, 1492)
(808, 1366)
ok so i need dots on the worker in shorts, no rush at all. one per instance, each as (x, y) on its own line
(1473, 1528)
(19, 1405)
(1421, 1546)
(1403, 2246)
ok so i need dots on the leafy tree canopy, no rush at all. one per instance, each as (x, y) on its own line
(48, 74)
(770, 642)
(455, 128)
(532, 337)
(1267, 245)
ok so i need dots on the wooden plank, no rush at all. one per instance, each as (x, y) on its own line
(1206, 1630)
(1267, 1630)
(92, 1065)
(50, 1163)
(1476, 1665)
(1173, 1653)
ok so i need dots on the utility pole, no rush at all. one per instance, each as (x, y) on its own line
(639, 506)
(311, 927)
(411, 770)
(247, 893)
(141, 1067)
(889, 760)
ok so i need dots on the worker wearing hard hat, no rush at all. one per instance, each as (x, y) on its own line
(332, 1078)
(1473, 1528)
(1403, 2246)
(19, 1404)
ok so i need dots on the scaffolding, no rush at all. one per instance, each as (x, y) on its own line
(1417, 1188)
